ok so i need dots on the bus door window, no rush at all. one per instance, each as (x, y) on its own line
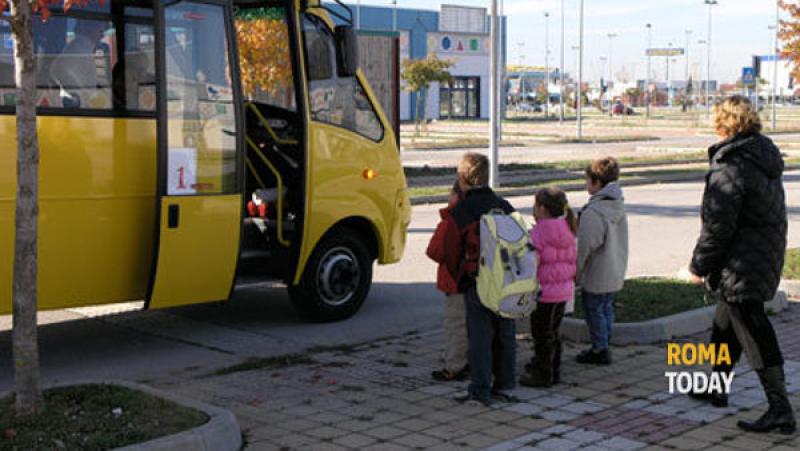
(340, 101)
(200, 109)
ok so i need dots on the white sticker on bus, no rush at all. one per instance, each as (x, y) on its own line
(182, 167)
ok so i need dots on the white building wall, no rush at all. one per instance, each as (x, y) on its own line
(468, 61)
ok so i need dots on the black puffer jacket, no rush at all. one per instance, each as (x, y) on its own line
(743, 242)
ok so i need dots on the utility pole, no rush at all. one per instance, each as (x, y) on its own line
(358, 15)
(546, 66)
(647, 77)
(611, 37)
(494, 56)
(579, 132)
(501, 78)
(710, 4)
(561, 72)
(394, 15)
(688, 60)
(775, 67)
(669, 81)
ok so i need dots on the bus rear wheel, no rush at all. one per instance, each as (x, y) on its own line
(336, 279)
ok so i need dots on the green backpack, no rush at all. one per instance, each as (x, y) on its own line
(507, 283)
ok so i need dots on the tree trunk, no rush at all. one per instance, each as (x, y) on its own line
(416, 113)
(24, 335)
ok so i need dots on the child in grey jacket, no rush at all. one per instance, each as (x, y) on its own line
(602, 255)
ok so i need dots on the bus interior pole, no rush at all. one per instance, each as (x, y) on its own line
(579, 99)
(493, 98)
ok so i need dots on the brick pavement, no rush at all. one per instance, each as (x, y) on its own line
(380, 396)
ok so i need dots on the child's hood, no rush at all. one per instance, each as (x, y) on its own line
(553, 232)
(608, 203)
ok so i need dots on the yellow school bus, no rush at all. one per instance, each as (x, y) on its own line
(186, 145)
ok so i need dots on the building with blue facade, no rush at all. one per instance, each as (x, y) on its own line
(456, 33)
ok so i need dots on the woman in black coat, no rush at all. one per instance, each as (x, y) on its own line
(741, 250)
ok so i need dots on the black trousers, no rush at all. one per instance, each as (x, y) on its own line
(545, 329)
(746, 328)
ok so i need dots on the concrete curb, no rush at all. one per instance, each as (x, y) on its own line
(791, 288)
(659, 330)
(220, 433)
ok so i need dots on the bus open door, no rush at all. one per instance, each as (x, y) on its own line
(199, 155)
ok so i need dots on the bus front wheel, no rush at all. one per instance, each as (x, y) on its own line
(336, 280)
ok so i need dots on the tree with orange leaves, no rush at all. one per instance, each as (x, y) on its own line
(789, 34)
(263, 41)
(28, 399)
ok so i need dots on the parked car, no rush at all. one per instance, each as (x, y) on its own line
(529, 108)
(620, 109)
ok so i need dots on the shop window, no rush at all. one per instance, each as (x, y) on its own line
(338, 101)
(460, 98)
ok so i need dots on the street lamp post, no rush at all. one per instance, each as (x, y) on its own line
(611, 37)
(494, 56)
(775, 66)
(710, 4)
(358, 15)
(647, 76)
(561, 72)
(546, 66)
(700, 42)
(688, 60)
(394, 15)
(669, 81)
(579, 132)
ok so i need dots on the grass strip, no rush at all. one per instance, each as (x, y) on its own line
(94, 417)
(791, 267)
(649, 298)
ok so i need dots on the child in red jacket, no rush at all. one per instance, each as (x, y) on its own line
(455, 326)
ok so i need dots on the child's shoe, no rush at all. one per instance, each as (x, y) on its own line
(593, 357)
(536, 379)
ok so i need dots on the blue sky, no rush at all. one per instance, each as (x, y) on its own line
(739, 31)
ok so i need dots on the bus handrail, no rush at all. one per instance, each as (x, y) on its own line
(283, 241)
(265, 124)
(255, 173)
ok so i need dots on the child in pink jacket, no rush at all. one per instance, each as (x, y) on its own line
(554, 239)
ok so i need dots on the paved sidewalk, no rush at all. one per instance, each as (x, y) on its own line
(380, 396)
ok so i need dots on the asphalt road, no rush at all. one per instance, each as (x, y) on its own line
(549, 152)
(153, 346)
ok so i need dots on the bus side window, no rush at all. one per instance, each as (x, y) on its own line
(78, 63)
(338, 101)
(74, 63)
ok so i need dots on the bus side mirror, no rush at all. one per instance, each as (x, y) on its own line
(346, 50)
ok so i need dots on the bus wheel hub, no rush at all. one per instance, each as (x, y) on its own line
(338, 276)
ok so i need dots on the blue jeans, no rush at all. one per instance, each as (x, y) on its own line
(492, 349)
(599, 309)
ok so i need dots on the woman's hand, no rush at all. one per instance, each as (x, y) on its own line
(694, 279)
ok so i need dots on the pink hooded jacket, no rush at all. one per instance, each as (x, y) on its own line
(556, 247)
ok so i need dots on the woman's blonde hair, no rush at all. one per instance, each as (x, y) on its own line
(736, 115)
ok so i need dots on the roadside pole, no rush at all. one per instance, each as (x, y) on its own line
(494, 181)
(775, 66)
(647, 77)
(561, 72)
(579, 101)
